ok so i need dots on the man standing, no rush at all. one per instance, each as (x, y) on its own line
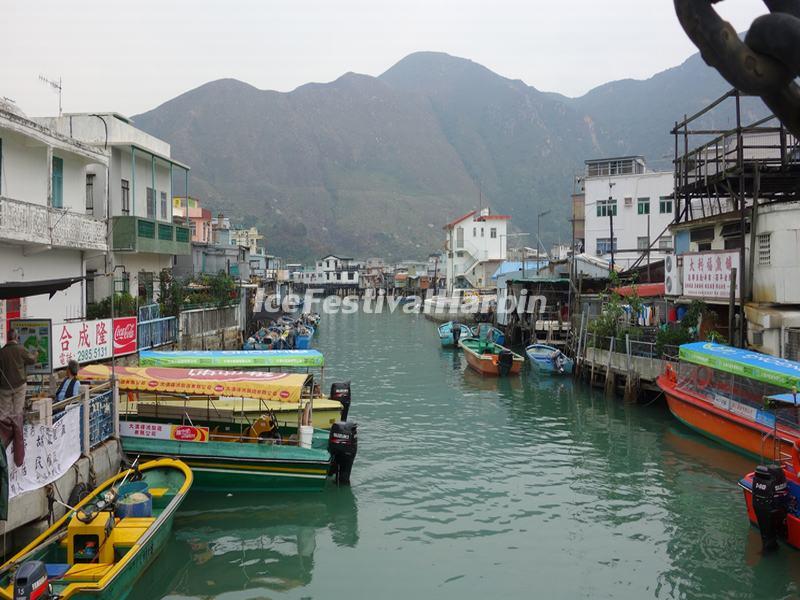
(13, 379)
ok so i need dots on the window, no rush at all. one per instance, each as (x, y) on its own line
(164, 206)
(493, 233)
(90, 275)
(665, 242)
(57, 198)
(643, 206)
(459, 237)
(481, 231)
(604, 245)
(664, 205)
(642, 243)
(90, 192)
(145, 281)
(126, 197)
(607, 207)
(704, 246)
(460, 254)
(474, 232)
(151, 203)
(764, 249)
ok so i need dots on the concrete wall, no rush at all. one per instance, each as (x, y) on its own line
(629, 225)
(777, 269)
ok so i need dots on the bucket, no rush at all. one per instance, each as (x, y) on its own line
(306, 436)
(134, 500)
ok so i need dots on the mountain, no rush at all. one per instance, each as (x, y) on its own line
(376, 165)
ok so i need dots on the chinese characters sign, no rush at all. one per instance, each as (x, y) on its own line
(83, 341)
(49, 453)
(35, 335)
(161, 431)
(708, 274)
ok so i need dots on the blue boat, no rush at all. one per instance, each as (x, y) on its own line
(485, 331)
(549, 359)
(446, 337)
(302, 337)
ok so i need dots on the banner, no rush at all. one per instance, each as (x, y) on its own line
(162, 431)
(84, 341)
(35, 335)
(49, 453)
(236, 359)
(125, 336)
(708, 274)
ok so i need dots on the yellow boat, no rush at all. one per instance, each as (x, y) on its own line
(106, 542)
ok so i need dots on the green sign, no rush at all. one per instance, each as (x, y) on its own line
(36, 336)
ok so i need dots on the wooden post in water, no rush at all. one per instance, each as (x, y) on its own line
(610, 377)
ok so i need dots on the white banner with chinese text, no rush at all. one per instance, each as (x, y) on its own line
(708, 274)
(84, 341)
(49, 453)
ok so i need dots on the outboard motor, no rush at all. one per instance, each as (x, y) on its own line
(341, 392)
(770, 495)
(31, 583)
(343, 445)
(456, 329)
(505, 361)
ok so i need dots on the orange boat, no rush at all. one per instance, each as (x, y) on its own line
(719, 391)
(489, 358)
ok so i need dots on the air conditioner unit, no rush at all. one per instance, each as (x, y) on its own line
(673, 284)
(628, 201)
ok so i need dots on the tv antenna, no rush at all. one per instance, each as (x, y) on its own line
(56, 85)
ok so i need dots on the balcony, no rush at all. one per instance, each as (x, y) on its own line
(37, 225)
(137, 234)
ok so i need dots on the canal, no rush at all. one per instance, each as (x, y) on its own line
(466, 487)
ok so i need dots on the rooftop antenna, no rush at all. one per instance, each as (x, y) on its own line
(56, 85)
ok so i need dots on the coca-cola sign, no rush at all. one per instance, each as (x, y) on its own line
(125, 336)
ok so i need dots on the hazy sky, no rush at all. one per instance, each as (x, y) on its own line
(132, 56)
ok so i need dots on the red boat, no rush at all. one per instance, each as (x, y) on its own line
(719, 391)
(489, 358)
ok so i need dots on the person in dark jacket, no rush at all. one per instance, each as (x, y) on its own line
(13, 378)
(70, 387)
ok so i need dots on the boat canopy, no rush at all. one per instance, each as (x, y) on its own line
(745, 363)
(261, 385)
(236, 359)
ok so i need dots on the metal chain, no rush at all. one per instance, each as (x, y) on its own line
(765, 64)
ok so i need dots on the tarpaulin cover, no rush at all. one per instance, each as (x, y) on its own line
(745, 363)
(23, 289)
(279, 387)
(232, 358)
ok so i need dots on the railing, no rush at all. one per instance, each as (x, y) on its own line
(201, 321)
(98, 414)
(157, 332)
(38, 224)
(638, 347)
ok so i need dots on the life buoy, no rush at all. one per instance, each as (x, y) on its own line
(702, 377)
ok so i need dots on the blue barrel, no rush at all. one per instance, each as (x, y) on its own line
(134, 501)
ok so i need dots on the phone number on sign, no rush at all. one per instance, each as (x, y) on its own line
(91, 354)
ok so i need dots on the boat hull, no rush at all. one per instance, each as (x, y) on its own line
(725, 427)
(241, 467)
(792, 531)
(544, 364)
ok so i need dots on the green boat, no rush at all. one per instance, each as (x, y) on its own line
(106, 542)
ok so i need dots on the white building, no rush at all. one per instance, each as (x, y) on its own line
(330, 270)
(475, 245)
(52, 215)
(142, 236)
(639, 203)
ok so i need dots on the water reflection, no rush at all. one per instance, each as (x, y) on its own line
(246, 542)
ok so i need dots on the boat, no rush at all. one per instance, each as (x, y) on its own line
(451, 332)
(103, 544)
(302, 337)
(179, 413)
(326, 409)
(719, 391)
(486, 331)
(549, 359)
(489, 358)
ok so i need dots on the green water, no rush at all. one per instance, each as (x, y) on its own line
(466, 487)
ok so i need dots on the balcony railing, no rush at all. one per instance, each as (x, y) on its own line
(29, 223)
(139, 234)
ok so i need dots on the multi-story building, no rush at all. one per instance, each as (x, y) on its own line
(53, 207)
(187, 210)
(250, 238)
(331, 270)
(142, 236)
(737, 230)
(475, 245)
(628, 209)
